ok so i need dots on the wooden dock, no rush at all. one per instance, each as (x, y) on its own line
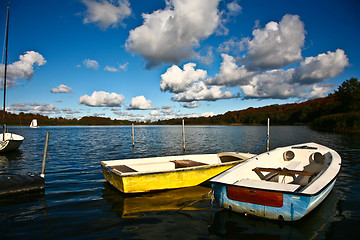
(19, 183)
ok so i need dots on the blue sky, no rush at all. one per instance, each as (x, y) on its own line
(149, 60)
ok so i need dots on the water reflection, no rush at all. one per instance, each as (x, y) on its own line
(134, 205)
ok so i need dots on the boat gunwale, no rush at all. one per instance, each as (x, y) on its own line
(279, 191)
(191, 168)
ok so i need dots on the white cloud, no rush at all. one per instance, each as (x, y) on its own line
(317, 91)
(176, 80)
(45, 109)
(271, 84)
(200, 92)
(279, 84)
(276, 45)
(20, 107)
(166, 107)
(102, 99)
(230, 73)
(193, 104)
(207, 114)
(205, 55)
(315, 69)
(91, 64)
(234, 8)
(154, 113)
(124, 66)
(233, 46)
(22, 69)
(106, 13)
(110, 69)
(61, 89)
(140, 103)
(169, 35)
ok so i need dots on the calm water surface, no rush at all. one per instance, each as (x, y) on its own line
(79, 204)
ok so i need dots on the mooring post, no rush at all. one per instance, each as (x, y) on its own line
(133, 136)
(268, 136)
(183, 133)
(45, 155)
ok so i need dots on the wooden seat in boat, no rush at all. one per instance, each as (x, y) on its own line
(123, 168)
(279, 171)
(230, 157)
(187, 163)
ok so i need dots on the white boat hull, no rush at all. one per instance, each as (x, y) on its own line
(11, 143)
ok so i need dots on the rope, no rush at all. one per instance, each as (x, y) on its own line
(206, 195)
(77, 166)
(348, 150)
(257, 146)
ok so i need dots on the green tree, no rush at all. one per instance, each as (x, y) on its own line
(348, 94)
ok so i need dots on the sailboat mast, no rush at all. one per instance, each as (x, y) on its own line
(6, 53)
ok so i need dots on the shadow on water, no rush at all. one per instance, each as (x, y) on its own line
(135, 205)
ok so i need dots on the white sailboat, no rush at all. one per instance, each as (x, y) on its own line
(8, 141)
(34, 124)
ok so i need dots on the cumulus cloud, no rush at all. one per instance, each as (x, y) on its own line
(271, 84)
(106, 13)
(140, 103)
(176, 80)
(200, 92)
(230, 73)
(261, 73)
(169, 35)
(102, 99)
(91, 64)
(276, 45)
(315, 69)
(22, 69)
(61, 89)
(280, 84)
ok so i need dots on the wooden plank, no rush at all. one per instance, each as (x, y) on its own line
(17, 183)
(282, 171)
(187, 163)
(123, 168)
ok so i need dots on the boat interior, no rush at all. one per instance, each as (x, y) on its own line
(296, 172)
(173, 164)
(293, 171)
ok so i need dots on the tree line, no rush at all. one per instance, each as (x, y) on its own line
(339, 111)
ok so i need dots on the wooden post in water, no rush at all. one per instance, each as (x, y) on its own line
(268, 136)
(183, 134)
(45, 155)
(133, 136)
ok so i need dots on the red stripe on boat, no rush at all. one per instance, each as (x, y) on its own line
(266, 198)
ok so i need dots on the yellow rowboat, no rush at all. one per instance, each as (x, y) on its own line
(158, 173)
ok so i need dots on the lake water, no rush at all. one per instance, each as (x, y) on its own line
(79, 204)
